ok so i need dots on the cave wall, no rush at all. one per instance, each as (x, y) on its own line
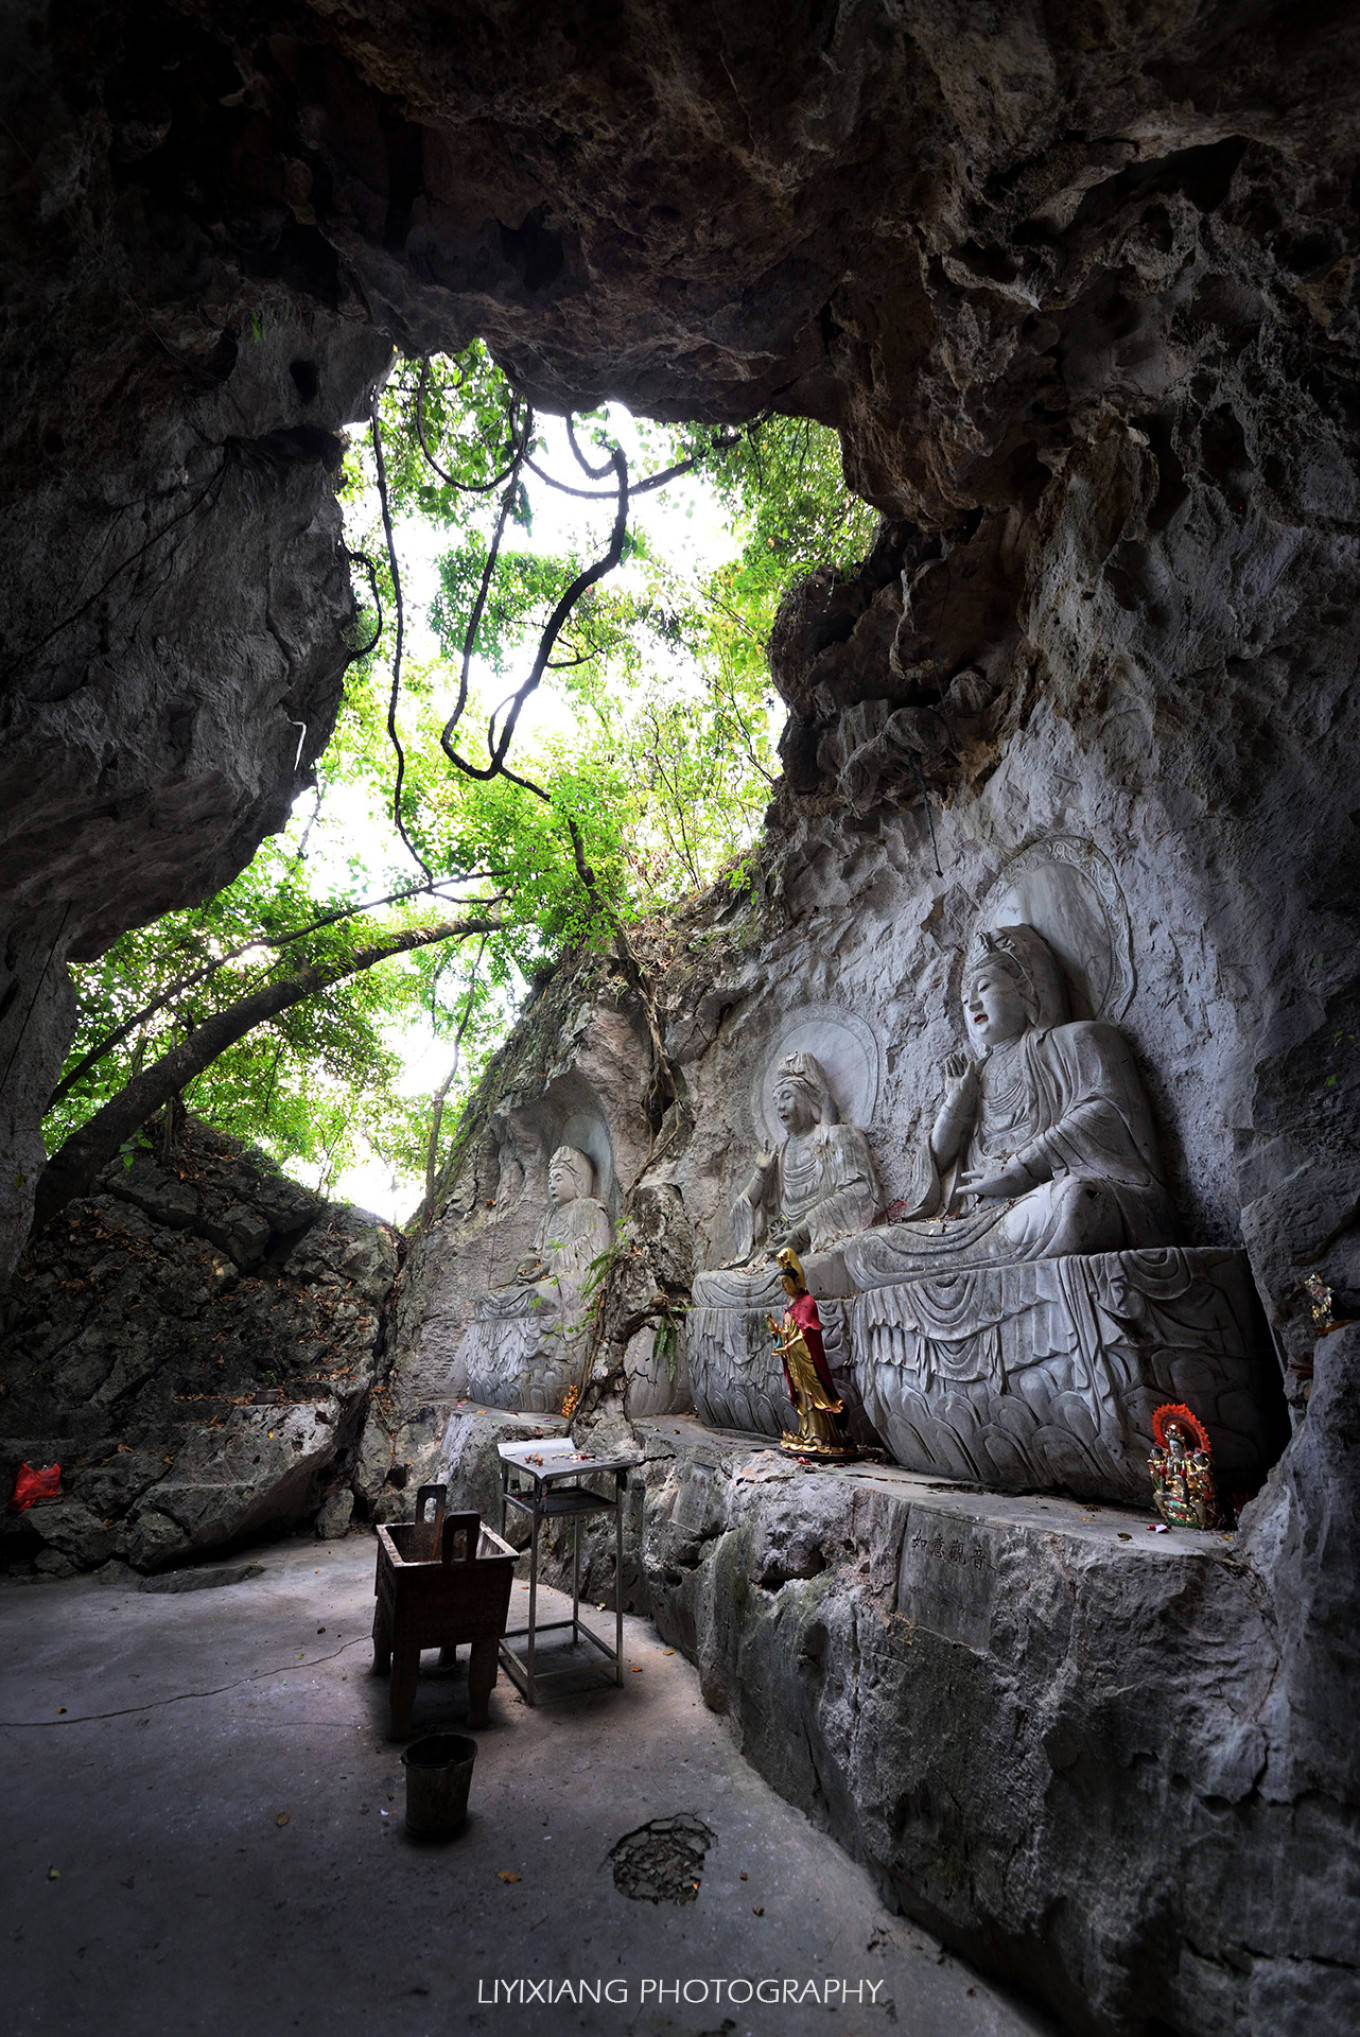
(195, 1344)
(987, 251)
(1077, 286)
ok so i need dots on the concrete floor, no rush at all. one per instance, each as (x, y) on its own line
(204, 1833)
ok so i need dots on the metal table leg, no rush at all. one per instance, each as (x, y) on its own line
(549, 1500)
(619, 1483)
(530, 1694)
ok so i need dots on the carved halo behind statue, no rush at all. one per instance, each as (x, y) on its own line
(815, 1188)
(1043, 1145)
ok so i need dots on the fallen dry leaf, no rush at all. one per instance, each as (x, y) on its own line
(282, 1818)
(507, 1874)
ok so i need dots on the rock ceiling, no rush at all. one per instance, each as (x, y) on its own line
(969, 239)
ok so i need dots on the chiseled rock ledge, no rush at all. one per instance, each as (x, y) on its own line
(1042, 1724)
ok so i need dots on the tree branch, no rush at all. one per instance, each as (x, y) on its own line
(463, 487)
(441, 1094)
(584, 579)
(72, 1169)
(386, 507)
(362, 559)
(484, 589)
(658, 480)
(105, 1046)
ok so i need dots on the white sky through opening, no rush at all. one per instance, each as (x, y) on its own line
(686, 525)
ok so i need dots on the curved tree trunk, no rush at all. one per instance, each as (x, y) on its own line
(72, 1168)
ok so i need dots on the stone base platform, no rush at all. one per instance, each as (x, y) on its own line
(1046, 1726)
(1051, 1729)
(737, 1381)
(522, 1363)
(1042, 1375)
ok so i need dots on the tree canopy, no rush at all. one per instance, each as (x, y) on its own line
(554, 724)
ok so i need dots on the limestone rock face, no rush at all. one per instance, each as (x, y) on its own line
(1095, 1758)
(1078, 287)
(1061, 1737)
(572, 1074)
(194, 1345)
(1077, 292)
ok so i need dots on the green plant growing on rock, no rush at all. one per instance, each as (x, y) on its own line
(557, 837)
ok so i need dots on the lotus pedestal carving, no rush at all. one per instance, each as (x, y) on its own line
(1046, 1374)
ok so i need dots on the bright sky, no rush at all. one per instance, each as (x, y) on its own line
(685, 524)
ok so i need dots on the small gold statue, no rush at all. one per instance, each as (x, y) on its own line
(1322, 1303)
(1182, 1476)
(798, 1340)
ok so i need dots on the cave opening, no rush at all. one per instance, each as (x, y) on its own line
(1078, 300)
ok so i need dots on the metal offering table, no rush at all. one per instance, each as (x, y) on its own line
(544, 1480)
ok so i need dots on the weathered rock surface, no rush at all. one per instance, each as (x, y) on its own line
(1081, 1748)
(1079, 294)
(1111, 1786)
(570, 1075)
(1061, 1738)
(1078, 287)
(195, 1346)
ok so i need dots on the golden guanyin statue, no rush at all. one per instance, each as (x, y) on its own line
(1043, 1144)
(798, 1342)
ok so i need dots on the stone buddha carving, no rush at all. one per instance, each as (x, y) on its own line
(816, 1187)
(1043, 1145)
(523, 1348)
(575, 1232)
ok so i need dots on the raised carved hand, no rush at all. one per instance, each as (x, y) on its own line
(960, 1081)
(799, 1236)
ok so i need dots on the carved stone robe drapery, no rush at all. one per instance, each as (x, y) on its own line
(1065, 1102)
(574, 1235)
(823, 1179)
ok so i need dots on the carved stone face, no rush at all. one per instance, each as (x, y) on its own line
(993, 1006)
(792, 1109)
(563, 1186)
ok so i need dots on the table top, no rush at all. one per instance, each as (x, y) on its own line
(556, 1457)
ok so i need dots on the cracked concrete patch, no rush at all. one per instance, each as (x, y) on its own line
(663, 1860)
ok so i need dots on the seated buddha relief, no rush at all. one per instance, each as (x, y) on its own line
(1043, 1145)
(811, 1191)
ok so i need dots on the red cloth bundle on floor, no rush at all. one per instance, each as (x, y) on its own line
(34, 1482)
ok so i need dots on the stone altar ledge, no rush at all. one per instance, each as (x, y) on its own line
(747, 1459)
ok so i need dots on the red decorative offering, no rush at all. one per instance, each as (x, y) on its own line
(34, 1482)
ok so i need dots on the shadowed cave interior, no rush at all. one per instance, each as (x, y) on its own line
(1076, 287)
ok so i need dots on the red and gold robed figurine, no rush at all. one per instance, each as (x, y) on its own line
(1182, 1475)
(798, 1340)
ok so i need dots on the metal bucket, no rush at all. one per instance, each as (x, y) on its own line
(438, 1777)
